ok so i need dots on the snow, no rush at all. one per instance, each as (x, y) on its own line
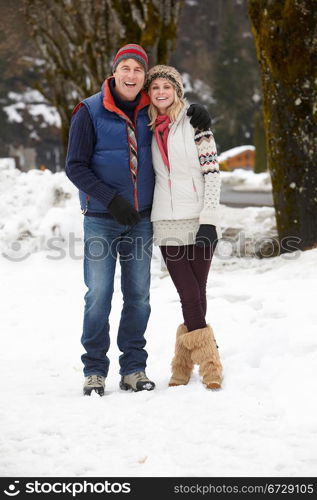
(38, 207)
(34, 102)
(199, 87)
(263, 312)
(35, 206)
(246, 180)
(256, 97)
(7, 163)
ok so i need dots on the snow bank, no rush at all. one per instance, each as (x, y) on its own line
(246, 180)
(34, 206)
(39, 209)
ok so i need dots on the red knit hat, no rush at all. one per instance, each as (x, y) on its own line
(130, 51)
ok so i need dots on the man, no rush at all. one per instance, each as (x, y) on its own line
(109, 160)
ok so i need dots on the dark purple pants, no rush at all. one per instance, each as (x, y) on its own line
(189, 267)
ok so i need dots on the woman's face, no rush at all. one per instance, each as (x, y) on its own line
(162, 94)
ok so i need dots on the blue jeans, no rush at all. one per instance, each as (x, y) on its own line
(105, 240)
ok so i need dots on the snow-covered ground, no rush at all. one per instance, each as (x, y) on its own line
(246, 180)
(263, 311)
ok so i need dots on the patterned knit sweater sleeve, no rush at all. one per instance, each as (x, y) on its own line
(207, 153)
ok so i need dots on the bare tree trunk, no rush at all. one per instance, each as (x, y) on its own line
(78, 39)
(285, 34)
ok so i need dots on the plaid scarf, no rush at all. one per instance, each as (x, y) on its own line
(133, 150)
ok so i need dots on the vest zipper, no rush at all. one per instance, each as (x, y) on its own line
(135, 190)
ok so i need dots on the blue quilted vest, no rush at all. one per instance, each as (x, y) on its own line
(110, 161)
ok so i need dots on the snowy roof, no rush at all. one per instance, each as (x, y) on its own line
(234, 151)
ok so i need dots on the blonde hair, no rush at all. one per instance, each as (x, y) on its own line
(173, 111)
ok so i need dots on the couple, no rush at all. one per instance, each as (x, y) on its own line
(141, 116)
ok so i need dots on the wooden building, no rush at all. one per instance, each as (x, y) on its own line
(239, 157)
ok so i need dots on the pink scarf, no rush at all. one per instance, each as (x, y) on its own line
(161, 134)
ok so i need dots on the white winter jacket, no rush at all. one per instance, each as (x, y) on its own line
(179, 193)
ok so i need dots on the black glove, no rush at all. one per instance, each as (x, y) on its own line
(200, 116)
(207, 236)
(123, 211)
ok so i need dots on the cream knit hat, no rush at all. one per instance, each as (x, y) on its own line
(168, 72)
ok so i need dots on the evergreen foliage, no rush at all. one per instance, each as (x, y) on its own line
(233, 86)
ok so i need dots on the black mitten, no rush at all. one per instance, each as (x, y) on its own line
(200, 116)
(206, 236)
(123, 211)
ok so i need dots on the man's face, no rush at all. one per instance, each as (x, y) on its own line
(129, 77)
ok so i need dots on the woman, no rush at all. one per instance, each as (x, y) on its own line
(185, 216)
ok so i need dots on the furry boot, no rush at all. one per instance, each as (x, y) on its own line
(182, 364)
(204, 352)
